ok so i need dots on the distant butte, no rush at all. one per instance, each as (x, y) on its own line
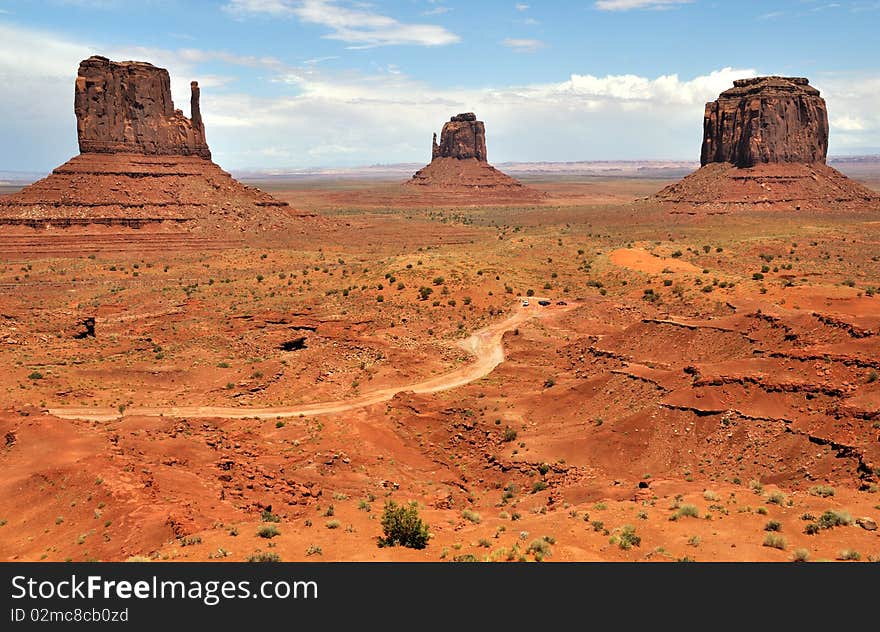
(765, 143)
(141, 162)
(459, 163)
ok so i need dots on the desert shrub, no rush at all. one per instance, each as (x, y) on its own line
(472, 516)
(402, 526)
(332, 524)
(509, 435)
(540, 549)
(686, 511)
(314, 550)
(259, 556)
(190, 540)
(773, 525)
(776, 498)
(710, 496)
(268, 531)
(466, 557)
(822, 490)
(539, 486)
(800, 555)
(775, 541)
(628, 538)
(36, 375)
(268, 516)
(831, 519)
(848, 555)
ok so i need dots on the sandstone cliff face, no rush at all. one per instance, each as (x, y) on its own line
(462, 137)
(764, 146)
(126, 107)
(766, 120)
(142, 164)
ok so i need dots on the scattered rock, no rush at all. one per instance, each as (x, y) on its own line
(868, 524)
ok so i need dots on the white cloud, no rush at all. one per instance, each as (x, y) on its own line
(628, 5)
(316, 118)
(356, 26)
(523, 45)
(521, 6)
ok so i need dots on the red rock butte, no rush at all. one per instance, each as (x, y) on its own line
(459, 164)
(765, 142)
(141, 162)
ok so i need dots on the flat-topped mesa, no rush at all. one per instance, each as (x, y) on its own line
(462, 137)
(142, 164)
(126, 107)
(766, 120)
(765, 142)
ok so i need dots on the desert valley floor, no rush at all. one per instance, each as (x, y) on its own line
(700, 386)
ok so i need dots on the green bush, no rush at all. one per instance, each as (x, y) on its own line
(540, 549)
(268, 516)
(402, 526)
(831, 519)
(268, 531)
(628, 538)
(686, 511)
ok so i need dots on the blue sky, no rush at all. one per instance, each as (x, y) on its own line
(298, 83)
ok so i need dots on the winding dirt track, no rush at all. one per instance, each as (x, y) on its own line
(485, 345)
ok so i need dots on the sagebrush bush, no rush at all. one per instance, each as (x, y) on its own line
(402, 526)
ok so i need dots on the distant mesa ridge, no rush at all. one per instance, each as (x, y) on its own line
(765, 145)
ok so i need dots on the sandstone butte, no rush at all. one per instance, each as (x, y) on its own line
(765, 143)
(141, 163)
(459, 163)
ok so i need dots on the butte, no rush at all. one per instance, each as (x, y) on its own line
(765, 142)
(142, 163)
(459, 166)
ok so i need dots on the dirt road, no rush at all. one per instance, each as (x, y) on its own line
(485, 345)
